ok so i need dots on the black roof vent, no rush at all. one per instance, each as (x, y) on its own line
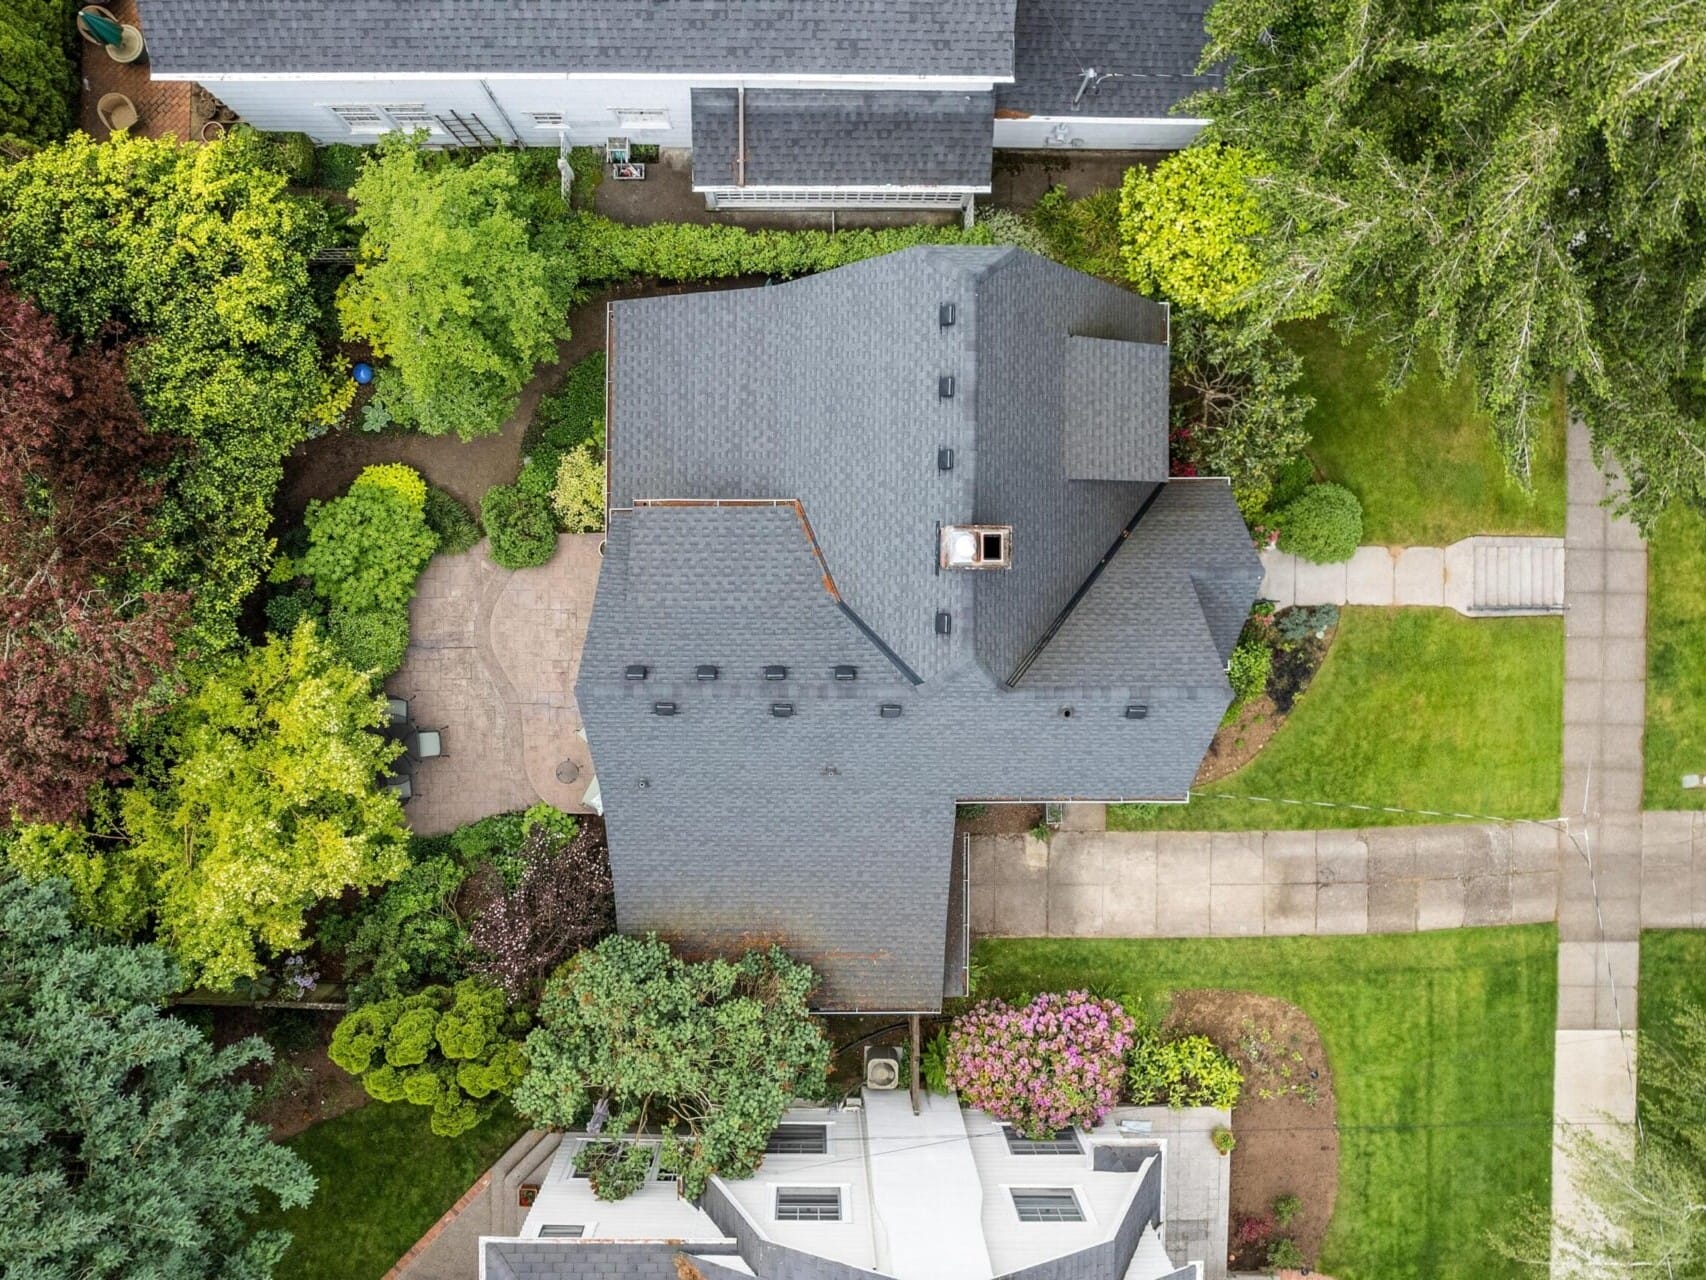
(945, 386)
(889, 710)
(846, 671)
(1136, 711)
(775, 671)
(944, 459)
(705, 671)
(781, 710)
(944, 622)
(663, 708)
(945, 315)
(634, 671)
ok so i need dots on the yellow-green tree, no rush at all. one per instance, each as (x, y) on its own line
(1188, 228)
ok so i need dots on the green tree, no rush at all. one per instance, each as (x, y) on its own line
(1188, 227)
(450, 287)
(38, 80)
(255, 799)
(712, 1053)
(198, 250)
(124, 1148)
(454, 1049)
(1521, 187)
(367, 548)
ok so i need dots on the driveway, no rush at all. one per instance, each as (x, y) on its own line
(493, 655)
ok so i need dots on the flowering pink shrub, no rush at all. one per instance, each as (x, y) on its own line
(1057, 1062)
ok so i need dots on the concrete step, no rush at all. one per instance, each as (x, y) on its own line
(1514, 576)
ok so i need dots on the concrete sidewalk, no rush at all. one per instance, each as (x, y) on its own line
(1478, 577)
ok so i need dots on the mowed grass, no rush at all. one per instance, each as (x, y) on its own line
(1673, 973)
(1676, 659)
(1441, 1050)
(384, 1179)
(1414, 709)
(1423, 462)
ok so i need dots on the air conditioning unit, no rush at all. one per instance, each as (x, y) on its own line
(882, 1069)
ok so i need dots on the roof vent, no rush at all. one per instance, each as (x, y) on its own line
(775, 671)
(781, 710)
(945, 315)
(846, 671)
(1136, 711)
(889, 710)
(945, 386)
(944, 459)
(976, 546)
(663, 708)
(705, 671)
(634, 671)
(944, 622)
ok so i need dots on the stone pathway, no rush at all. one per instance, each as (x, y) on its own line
(492, 658)
(1479, 577)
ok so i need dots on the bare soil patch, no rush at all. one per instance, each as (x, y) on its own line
(997, 819)
(1286, 1122)
(302, 1086)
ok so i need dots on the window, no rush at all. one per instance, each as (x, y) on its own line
(797, 1140)
(546, 119)
(808, 1204)
(562, 1231)
(411, 115)
(1063, 1142)
(641, 118)
(1048, 1204)
(360, 119)
(378, 117)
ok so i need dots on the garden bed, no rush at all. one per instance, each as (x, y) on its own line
(997, 819)
(1286, 1121)
(1240, 740)
(302, 1086)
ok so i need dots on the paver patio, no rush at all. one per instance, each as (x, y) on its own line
(492, 659)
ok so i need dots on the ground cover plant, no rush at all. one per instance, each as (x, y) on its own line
(1676, 660)
(1422, 460)
(1419, 709)
(1444, 1096)
(384, 1178)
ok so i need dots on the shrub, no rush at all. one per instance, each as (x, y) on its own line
(338, 164)
(1004, 226)
(934, 1063)
(285, 609)
(1083, 234)
(454, 1049)
(1253, 1228)
(367, 548)
(397, 478)
(1286, 1209)
(1285, 1254)
(373, 641)
(1058, 1061)
(1323, 526)
(563, 901)
(1252, 662)
(1224, 1139)
(451, 522)
(407, 937)
(38, 74)
(615, 1170)
(572, 414)
(1188, 227)
(1187, 1072)
(1305, 622)
(521, 527)
(578, 498)
(293, 156)
(711, 1054)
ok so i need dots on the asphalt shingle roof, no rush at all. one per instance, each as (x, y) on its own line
(830, 830)
(1144, 54)
(1116, 410)
(819, 137)
(594, 1260)
(840, 37)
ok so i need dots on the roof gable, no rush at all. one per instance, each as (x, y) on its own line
(1116, 410)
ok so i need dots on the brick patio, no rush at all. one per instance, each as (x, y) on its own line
(174, 107)
(492, 659)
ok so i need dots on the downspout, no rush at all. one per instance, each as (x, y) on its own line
(740, 136)
(514, 133)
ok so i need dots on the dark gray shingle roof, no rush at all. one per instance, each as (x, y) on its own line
(844, 37)
(830, 830)
(1116, 410)
(594, 1260)
(820, 137)
(1145, 56)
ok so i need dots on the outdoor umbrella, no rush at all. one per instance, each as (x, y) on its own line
(102, 27)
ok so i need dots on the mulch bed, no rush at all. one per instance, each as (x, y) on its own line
(1242, 739)
(998, 819)
(1288, 1141)
(302, 1086)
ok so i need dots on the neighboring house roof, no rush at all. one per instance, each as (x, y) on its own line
(830, 37)
(777, 491)
(1144, 56)
(600, 1260)
(863, 138)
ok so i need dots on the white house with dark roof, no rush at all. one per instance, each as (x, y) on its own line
(873, 1190)
(785, 103)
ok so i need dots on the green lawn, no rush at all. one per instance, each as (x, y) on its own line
(1423, 462)
(1413, 708)
(384, 1179)
(1676, 659)
(1673, 973)
(1441, 1049)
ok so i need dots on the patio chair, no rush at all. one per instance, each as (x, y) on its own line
(402, 786)
(116, 112)
(424, 744)
(398, 709)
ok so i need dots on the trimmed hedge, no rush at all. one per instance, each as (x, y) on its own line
(1323, 526)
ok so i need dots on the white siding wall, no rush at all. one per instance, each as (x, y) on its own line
(1090, 133)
